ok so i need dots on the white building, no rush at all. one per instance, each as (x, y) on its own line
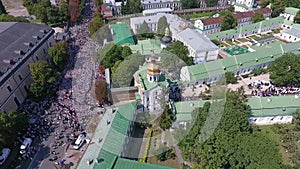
(291, 35)
(248, 3)
(150, 82)
(199, 46)
(154, 4)
(21, 44)
(290, 13)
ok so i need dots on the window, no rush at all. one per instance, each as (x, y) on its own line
(17, 101)
(9, 88)
(20, 77)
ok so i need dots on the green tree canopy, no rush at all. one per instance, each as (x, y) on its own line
(211, 3)
(297, 17)
(230, 78)
(187, 4)
(10, 18)
(126, 51)
(257, 17)
(232, 144)
(43, 76)
(95, 24)
(123, 75)
(162, 24)
(10, 124)
(181, 51)
(166, 119)
(2, 9)
(228, 21)
(59, 54)
(143, 28)
(285, 70)
(277, 7)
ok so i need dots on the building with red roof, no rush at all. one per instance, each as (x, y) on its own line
(213, 25)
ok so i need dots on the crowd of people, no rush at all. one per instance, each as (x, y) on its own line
(65, 116)
(274, 91)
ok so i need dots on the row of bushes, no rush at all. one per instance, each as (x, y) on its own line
(144, 159)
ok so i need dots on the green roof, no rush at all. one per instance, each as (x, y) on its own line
(273, 106)
(291, 10)
(141, 74)
(146, 47)
(113, 144)
(261, 55)
(228, 34)
(292, 24)
(260, 107)
(122, 34)
(137, 96)
(131, 164)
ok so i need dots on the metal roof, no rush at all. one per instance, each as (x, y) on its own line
(196, 40)
(293, 32)
(291, 10)
(122, 34)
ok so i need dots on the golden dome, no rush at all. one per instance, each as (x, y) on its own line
(152, 67)
(167, 31)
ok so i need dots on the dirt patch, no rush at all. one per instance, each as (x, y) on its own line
(15, 8)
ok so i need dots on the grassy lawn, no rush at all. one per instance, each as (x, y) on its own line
(199, 15)
(286, 138)
(254, 37)
(36, 21)
(224, 45)
(229, 42)
(243, 40)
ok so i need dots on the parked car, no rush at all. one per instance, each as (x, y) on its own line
(25, 145)
(4, 155)
(79, 141)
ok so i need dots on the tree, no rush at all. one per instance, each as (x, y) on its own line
(211, 3)
(164, 153)
(278, 7)
(292, 3)
(187, 4)
(162, 24)
(230, 78)
(297, 17)
(296, 119)
(95, 24)
(181, 51)
(264, 3)
(10, 124)
(123, 75)
(143, 28)
(43, 76)
(166, 119)
(126, 52)
(231, 8)
(123, 8)
(2, 9)
(10, 18)
(59, 54)
(228, 22)
(101, 91)
(257, 17)
(285, 70)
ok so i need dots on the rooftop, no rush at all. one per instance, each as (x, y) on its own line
(147, 47)
(17, 40)
(122, 34)
(141, 77)
(113, 144)
(291, 10)
(196, 40)
(260, 107)
(158, 10)
(293, 32)
(155, 1)
(247, 28)
(273, 106)
(261, 55)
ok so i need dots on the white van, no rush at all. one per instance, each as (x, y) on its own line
(4, 155)
(25, 145)
(79, 141)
